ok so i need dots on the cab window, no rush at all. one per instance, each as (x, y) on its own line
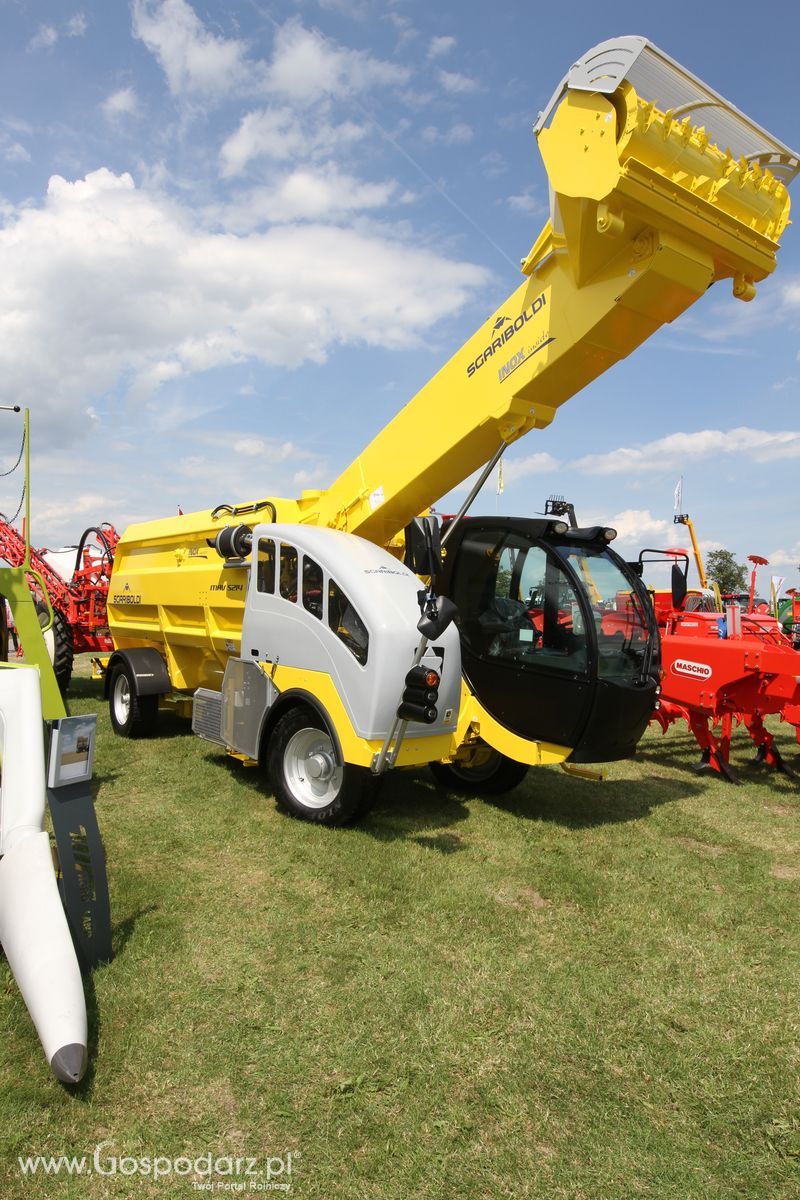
(347, 624)
(516, 605)
(288, 580)
(312, 586)
(266, 565)
(622, 626)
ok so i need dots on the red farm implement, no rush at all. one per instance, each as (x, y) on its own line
(79, 605)
(721, 669)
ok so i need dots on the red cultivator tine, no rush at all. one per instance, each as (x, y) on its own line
(714, 756)
(767, 753)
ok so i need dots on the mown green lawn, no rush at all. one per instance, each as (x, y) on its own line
(579, 990)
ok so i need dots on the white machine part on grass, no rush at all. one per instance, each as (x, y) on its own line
(33, 927)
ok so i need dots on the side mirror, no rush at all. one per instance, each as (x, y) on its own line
(423, 546)
(437, 613)
(679, 586)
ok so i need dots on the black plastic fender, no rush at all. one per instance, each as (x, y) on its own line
(147, 668)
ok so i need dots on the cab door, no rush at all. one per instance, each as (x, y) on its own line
(526, 651)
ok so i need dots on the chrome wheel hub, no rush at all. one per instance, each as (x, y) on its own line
(312, 772)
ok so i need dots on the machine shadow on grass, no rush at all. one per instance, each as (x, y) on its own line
(683, 754)
(411, 801)
(412, 807)
(581, 804)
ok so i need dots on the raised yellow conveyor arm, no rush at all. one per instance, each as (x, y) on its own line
(659, 188)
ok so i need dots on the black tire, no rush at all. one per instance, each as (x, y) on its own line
(335, 795)
(58, 641)
(499, 774)
(132, 716)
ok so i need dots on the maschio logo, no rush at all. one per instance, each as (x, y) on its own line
(695, 670)
(509, 328)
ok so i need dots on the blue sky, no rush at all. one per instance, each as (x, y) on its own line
(236, 238)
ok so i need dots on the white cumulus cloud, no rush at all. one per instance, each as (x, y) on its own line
(457, 135)
(193, 60)
(534, 464)
(14, 152)
(439, 46)
(791, 293)
(76, 26)
(306, 66)
(122, 103)
(786, 558)
(279, 134)
(457, 84)
(127, 290)
(527, 202)
(45, 38)
(639, 524)
(673, 451)
(306, 194)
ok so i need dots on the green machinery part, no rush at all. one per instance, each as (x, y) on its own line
(15, 589)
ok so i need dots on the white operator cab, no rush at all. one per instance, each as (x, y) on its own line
(328, 638)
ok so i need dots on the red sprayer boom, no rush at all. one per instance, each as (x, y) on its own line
(79, 605)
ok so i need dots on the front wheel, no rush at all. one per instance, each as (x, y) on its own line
(488, 773)
(131, 715)
(309, 779)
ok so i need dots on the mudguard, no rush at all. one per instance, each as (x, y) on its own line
(149, 671)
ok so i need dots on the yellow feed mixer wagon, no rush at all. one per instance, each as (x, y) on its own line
(297, 631)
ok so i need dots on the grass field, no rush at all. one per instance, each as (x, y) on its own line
(578, 990)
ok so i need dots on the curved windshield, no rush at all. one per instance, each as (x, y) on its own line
(620, 620)
(517, 605)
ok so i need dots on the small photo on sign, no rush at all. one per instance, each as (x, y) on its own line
(71, 750)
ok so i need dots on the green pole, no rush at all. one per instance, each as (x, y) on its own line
(15, 589)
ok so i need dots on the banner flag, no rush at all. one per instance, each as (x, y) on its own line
(679, 495)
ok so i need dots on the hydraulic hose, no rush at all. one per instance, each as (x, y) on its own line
(109, 553)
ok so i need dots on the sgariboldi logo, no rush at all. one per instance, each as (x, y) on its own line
(695, 670)
(505, 329)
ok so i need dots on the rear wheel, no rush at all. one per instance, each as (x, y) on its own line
(131, 715)
(58, 641)
(308, 776)
(487, 773)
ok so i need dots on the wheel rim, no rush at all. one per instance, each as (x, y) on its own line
(310, 767)
(122, 699)
(480, 773)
